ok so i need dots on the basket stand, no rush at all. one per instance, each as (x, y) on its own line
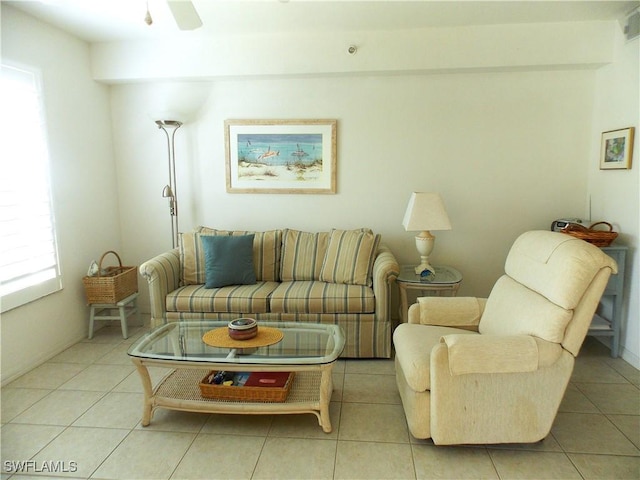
(105, 311)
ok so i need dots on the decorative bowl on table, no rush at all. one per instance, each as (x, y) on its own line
(243, 328)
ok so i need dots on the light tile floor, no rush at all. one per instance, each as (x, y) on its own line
(80, 412)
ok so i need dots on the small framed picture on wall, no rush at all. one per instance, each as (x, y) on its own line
(616, 149)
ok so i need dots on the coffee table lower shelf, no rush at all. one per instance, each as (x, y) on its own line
(180, 390)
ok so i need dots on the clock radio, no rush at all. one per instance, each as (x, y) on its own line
(561, 223)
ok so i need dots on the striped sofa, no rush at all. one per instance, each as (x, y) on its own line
(341, 277)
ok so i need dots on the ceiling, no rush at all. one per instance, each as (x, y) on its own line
(116, 20)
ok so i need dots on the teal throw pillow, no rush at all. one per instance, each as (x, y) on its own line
(228, 260)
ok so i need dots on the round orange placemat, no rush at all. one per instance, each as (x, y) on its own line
(219, 337)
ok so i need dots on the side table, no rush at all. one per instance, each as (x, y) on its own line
(103, 311)
(610, 325)
(446, 279)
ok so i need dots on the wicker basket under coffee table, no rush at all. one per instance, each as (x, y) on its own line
(308, 350)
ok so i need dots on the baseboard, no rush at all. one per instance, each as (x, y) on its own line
(629, 357)
(39, 360)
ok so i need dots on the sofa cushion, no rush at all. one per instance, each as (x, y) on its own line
(241, 299)
(266, 251)
(320, 297)
(350, 256)
(228, 260)
(191, 259)
(302, 255)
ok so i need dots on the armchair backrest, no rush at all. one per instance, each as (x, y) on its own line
(551, 288)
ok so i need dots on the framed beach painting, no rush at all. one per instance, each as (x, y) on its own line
(281, 156)
(616, 149)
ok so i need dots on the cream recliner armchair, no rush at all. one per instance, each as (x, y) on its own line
(481, 371)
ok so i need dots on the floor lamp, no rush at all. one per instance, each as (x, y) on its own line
(170, 191)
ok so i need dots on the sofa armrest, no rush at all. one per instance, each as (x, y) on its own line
(163, 275)
(458, 312)
(385, 271)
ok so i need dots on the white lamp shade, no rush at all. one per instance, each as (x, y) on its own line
(426, 212)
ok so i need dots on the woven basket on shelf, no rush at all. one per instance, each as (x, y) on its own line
(600, 238)
(245, 394)
(111, 284)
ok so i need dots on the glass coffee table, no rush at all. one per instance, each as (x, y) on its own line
(309, 350)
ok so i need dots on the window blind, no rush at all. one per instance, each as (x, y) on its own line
(29, 266)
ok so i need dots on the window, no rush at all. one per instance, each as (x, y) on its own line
(28, 253)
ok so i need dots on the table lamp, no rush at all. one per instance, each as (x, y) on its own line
(425, 212)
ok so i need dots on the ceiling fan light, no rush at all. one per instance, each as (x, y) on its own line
(147, 18)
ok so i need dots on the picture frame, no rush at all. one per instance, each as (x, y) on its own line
(281, 156)
(616, 149)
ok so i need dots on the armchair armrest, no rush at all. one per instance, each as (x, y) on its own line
(385, 272)
(493, 383)
(163, 275)
(457, 312)
(491, 353)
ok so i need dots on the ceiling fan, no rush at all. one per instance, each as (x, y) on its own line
(183, 12)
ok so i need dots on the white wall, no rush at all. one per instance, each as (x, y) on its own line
(446, 49)
(615, 194)
(84, 182)
(493, 117)
(504, 150)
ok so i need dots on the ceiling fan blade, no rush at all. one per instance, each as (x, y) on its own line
(185, 14)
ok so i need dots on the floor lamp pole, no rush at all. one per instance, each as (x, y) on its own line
(170, 191)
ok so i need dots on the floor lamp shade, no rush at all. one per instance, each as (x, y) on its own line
(425, 212)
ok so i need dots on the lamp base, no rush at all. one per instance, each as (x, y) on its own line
(424, 245)
(425, 270)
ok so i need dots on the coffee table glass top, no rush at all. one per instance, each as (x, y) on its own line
(302, 343)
